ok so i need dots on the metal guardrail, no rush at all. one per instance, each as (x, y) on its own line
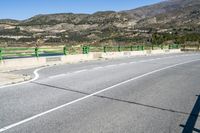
(190, 47)
(23, 52)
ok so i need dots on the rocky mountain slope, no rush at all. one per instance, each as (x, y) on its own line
(176, 14)
(132, 26)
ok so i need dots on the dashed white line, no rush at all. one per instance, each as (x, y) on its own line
(57, 76)
(97, 68)
(37, 70)
(79, 71)
(110, 66)
(88, 96)
(114, 65)
(122, 64)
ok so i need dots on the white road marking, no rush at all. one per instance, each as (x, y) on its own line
(110, 66)
(37, 70)
(93, 94)
(169, 57)
(57, 76)
(35, 78)
(79, 71)
(122, 64)
(97, 68)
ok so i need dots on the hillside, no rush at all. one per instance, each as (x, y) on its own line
(176, 17)
(181, 13)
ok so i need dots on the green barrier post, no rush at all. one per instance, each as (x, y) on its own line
(138, 48)
(104, 49)
(1, 57)
(36, 52)
(131, 48)
(142, 48)
(169, 46)
(119, 48)
(161, 47)
(152, 47)
(65, 50)
(83, 50)
(86, 49)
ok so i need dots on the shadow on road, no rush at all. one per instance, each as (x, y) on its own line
(189, 127)
(114, 99)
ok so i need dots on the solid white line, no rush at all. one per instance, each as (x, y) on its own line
(88, 96)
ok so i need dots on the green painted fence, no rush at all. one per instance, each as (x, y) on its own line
(13, 52)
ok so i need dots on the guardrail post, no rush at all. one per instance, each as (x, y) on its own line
(86, 49)
(65, 50)
(169, 46)
(131, 48)
(1, 57)
(152, 47)
(36, 52)
(161, 47)
(119, 48)
(138, 48)
(83, 50)
(142, 47)
(104, 49)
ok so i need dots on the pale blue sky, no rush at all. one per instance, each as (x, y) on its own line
(23, 9)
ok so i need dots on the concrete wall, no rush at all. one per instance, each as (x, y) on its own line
(24, 63)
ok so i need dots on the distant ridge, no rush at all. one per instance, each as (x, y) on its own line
(137, 25)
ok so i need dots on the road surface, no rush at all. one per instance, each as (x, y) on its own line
(147, 94)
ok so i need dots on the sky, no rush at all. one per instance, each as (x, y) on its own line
(24, 9)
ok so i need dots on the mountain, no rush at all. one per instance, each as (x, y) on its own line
(180, 17)
(174, 14)
(162, 8)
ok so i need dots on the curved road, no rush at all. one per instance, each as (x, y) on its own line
(152, 94)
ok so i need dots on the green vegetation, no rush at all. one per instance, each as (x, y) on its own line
(160, 38)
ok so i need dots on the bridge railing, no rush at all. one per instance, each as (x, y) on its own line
(16, 52)
(190, 47)
(23, 52)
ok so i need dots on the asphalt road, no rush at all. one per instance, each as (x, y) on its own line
(152, 94)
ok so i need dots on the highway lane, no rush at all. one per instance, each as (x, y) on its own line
(157, 102)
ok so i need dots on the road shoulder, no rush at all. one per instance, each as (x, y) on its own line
(11, 78)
